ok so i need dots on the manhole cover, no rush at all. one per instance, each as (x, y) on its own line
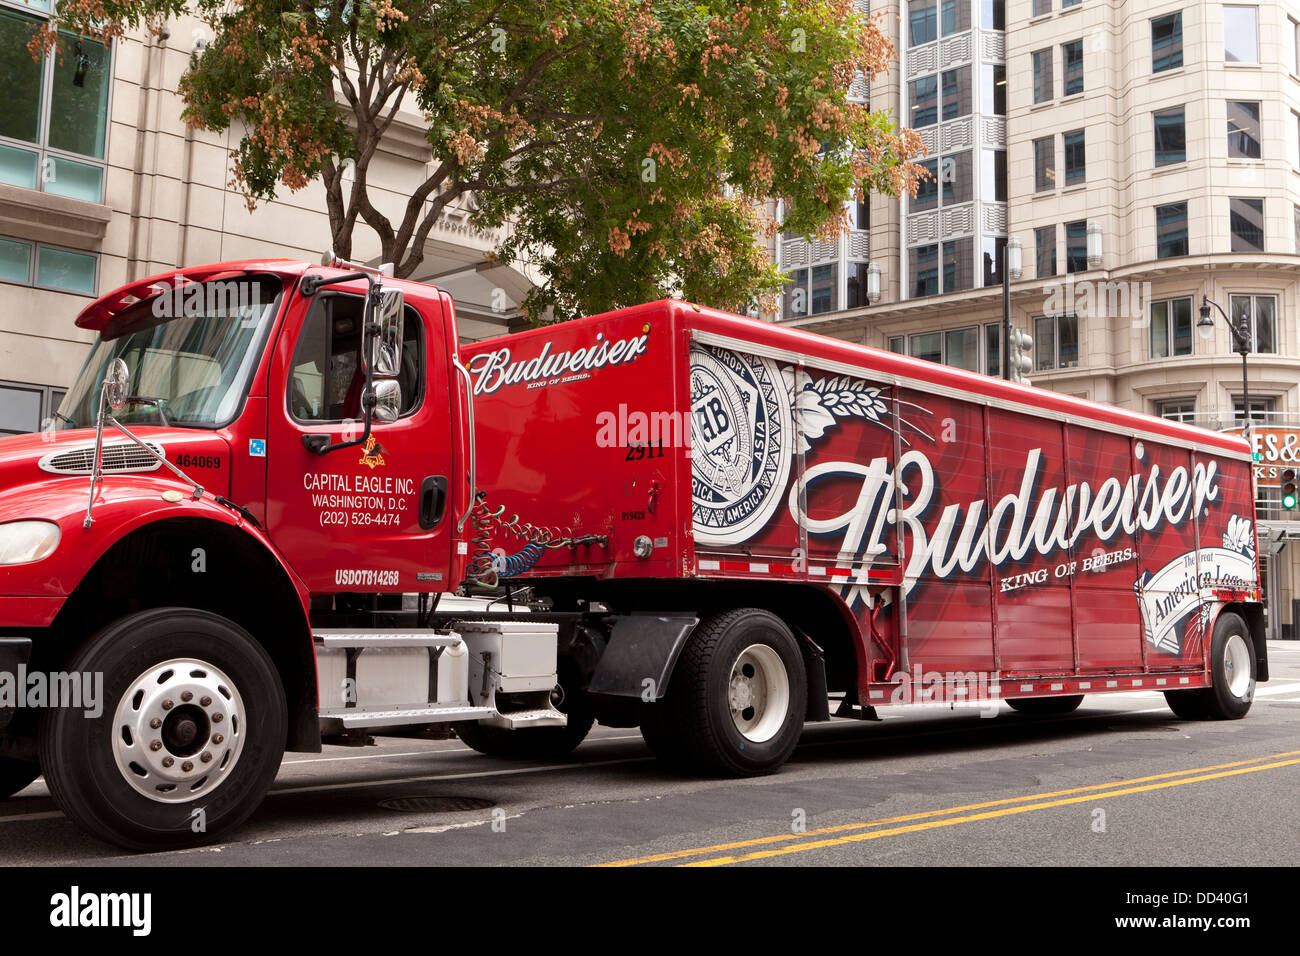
(436, 804)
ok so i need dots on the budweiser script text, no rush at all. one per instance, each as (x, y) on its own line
(964, 536)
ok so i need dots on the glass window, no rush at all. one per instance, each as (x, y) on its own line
(925, 101)
(995, 88)
(1075, 166)
(992, 355)
(1178, 410)
(1170, 136)
(69, 271)
(1240, 34)
(1045, 251)
(856, 285)
(1167, 42)
(923, 265)
(1171, 328)
(1041, 7)
(1043, 76)
(1171, 230)
(1072, 67)
(861, 214)
(1295, 210)
(993, 14)
(958, 265)
(20, 108)
(1044, 342)
(956, 93)
(927, 345)
(995, 175)
(1243, 129)
(20, 409)
(1261, 409)
(15, 261)
(326, 381)
(1293, 36)
(57, 103)
(956, 178)
(1076, 246)
(927, 189)
(922, 22)
(962, 347)
(898, 343)
(1070, 3)
(1260, 315)
(1246, 220)
(993, 251)
(955, 16)
(823, 288)
(1044, 163)
(1056, 342)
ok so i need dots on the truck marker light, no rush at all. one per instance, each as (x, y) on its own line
(172, 497)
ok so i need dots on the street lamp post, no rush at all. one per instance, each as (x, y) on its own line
(1010, 270)
(1241, 344)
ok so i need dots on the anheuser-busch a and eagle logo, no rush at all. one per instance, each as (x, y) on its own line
(750, 416)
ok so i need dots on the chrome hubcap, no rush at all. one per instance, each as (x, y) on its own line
(178, 730)
(758, 693)
(1236, 666)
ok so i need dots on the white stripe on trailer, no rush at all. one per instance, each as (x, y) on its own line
(1026, 687)
(1085, 684)
(710, 565)
(876, 694)
(757, 568)
(1137, 682)
(817, 571)
(1160, 682)
(1058, 686)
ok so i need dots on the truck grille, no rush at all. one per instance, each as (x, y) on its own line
(119, 457)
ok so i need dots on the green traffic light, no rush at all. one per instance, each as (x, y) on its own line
(1288, 501)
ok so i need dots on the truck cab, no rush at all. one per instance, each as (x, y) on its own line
(259, 477)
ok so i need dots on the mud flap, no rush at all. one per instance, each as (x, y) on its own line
(642, 651)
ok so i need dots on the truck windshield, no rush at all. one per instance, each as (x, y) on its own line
(190, 353)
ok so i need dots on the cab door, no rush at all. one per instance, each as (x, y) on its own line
(373, 516)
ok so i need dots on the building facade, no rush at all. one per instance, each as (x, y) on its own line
(101, 184)
(1145, 157)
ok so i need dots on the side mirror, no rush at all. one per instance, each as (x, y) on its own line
(116, 381)
(388, 400)
(386, 350)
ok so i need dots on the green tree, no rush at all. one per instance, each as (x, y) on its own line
(630, 144)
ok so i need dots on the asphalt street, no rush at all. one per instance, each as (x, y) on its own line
(1119, 782)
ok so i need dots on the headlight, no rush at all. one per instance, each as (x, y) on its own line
(25, 541)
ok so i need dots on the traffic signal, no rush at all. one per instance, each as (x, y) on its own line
(1289, 489)
(1020, 360)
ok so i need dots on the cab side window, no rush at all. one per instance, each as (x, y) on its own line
(326, 381)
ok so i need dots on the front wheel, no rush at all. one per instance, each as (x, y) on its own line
(15, 775)
(736, 700)
(190, 737)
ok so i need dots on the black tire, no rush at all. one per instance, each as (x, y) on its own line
(539, 743)
(1187, 704)
(16, 775)
(693, 727)
(1045, 706)
(80, 755)
(1221, 703)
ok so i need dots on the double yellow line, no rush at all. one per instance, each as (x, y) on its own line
(933, 819)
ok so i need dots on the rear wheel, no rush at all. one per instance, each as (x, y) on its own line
(15, 775)
(191, 735)
(1232, 675)
(1046, 706)
(735, 702)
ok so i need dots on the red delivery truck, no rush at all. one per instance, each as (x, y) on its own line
(275, 496)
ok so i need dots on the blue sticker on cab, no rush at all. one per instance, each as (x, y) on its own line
(257, 447)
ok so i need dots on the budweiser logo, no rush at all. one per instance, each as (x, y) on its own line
(492, 370)
(965, 536)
